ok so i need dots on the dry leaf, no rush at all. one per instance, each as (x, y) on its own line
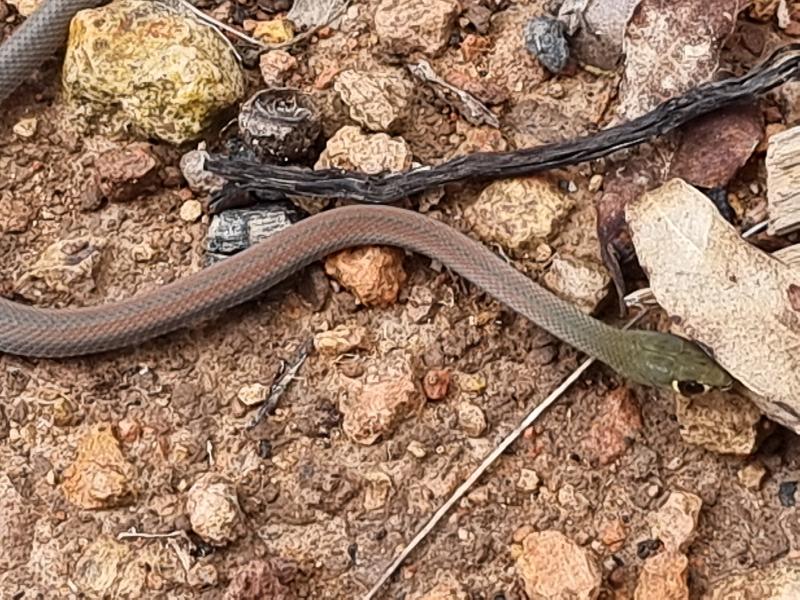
(723, 292)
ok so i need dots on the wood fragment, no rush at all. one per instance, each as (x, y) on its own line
(783, 182)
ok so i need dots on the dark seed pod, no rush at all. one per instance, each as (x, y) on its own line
(545, 38)
(280, 125)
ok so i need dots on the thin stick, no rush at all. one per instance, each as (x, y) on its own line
(481, 469)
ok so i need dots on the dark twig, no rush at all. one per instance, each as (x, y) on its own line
(275, 180)
(282, 381)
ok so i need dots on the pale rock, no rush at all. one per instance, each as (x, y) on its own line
(190, 211)
(377, 490)
(580, 282)
(663, 576)
(25, 128)
(374, 274)
(518, 213)
(405, 26)
(719, 421)
(777, 581)
(377, 101)
(213, 508)
(553, 566)
(252, 394)
(100, 477)
(379, 407)
(275, 66)
(352, 149)
(676, 521)
(751, 475)
(100, 566)
(528, 480)
(340, 340)
(471, 419)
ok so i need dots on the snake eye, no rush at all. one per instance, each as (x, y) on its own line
(689, 388)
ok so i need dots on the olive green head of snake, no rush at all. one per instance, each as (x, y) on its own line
(669, 361)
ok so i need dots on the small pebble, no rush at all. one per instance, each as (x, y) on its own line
(653, 490)
(545, 39)
(25, 128)
(751, 476)
(786, 492)
(595, 183)
(416, 449)
(471, 419)
(435, 383)
(528, 480)
(252, 394)
(191, 211)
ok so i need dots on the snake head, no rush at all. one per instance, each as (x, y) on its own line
(669, 361)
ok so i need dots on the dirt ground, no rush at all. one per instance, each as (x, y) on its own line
(300, 481)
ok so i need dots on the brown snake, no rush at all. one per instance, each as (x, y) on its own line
(647, 357)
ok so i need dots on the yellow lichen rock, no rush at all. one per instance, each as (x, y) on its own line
(140, 65)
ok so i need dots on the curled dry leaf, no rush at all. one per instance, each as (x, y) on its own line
(723, 292)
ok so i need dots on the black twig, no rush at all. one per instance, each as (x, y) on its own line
(281, 181)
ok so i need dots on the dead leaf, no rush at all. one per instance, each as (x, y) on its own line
(723, 292)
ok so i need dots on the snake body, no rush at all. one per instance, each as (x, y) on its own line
(646, 357)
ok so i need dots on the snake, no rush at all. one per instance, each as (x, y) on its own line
(647, 357)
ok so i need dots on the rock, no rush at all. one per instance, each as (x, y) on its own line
(789, 95)
(25, 128)
(675, 522)
(120, 66)
(763, 10)
(613, 534)
(280, 125)
(202, 576)
(276, 31)
(582, 283)
(200, 181)
(17, 520)
(127, 172)
(663, 576)
(190, 211)
(376, 101)
(100, 476)
(471, 419)
(436, 383)
(448, 589)
(236, 229)
(518, 213)
(26, 7)
(751, 475)
(377, 490)
(373, 273)
(528, 480)
(714, 147)
(213, 508)
(100, 566)
(511, 66)
(259, 579)
(484, 139)
(416, 449)
(340, 340)
(275, 67)
(668, 52)
(723, 422)
(618, 420)
(545, 38)
(351, 149)
(252, 394)
(379, 408)
(553, 566)
(786, 493)
(601, 29)
(778, 581)
(405, 26)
